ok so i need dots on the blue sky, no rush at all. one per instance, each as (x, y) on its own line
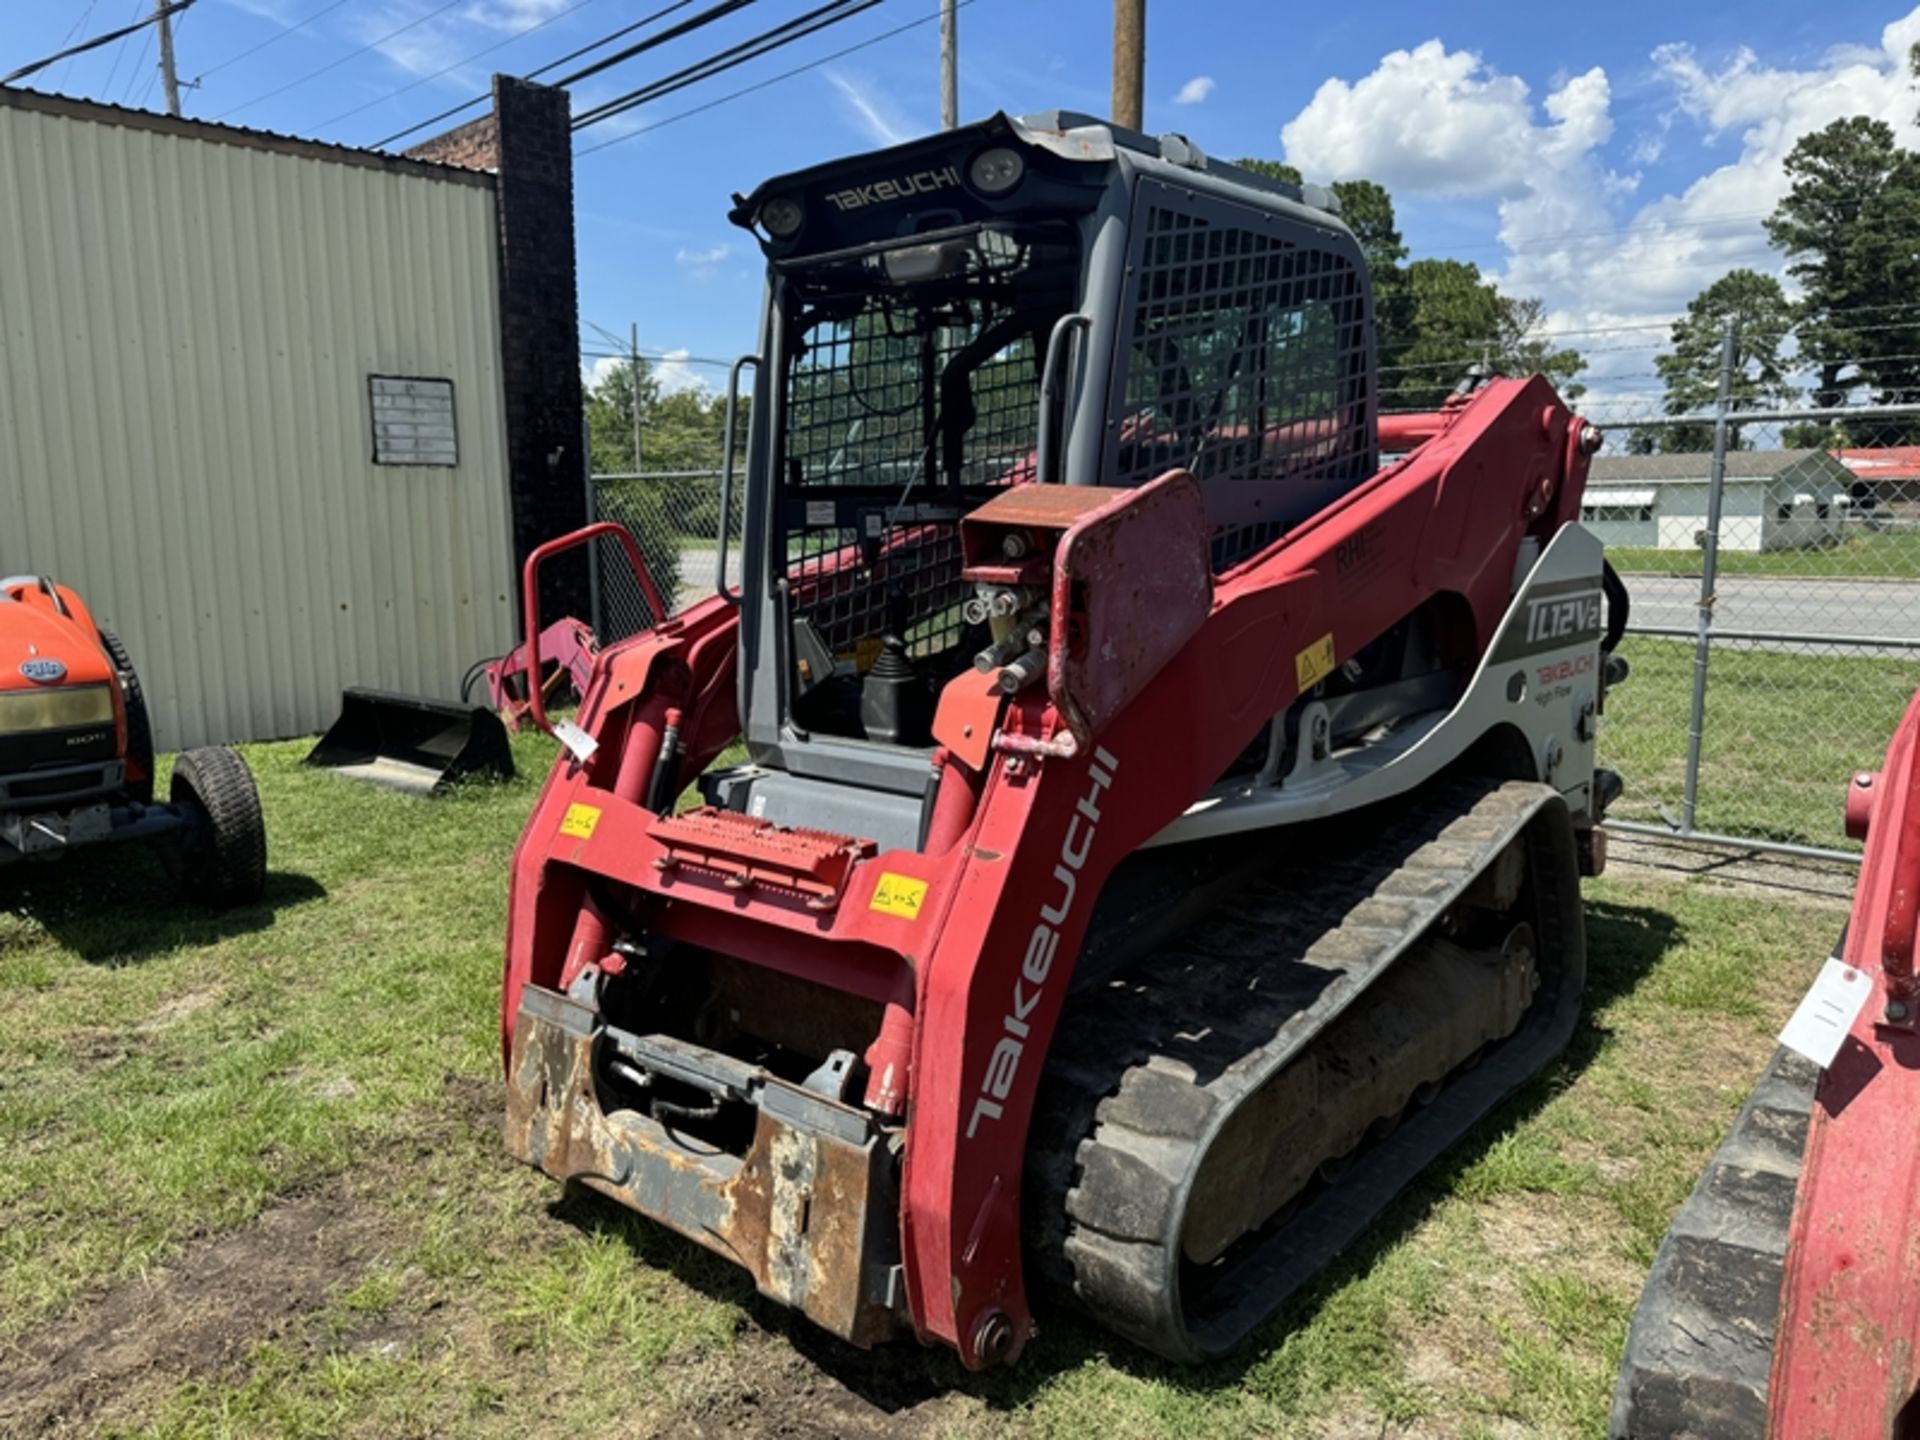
(1611, 160)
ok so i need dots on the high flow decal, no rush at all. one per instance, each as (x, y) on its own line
(884, 192)
(1003, 1066)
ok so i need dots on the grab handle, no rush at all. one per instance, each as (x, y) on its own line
(530, 598)
(726, 476)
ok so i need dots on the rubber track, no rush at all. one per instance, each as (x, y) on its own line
(1701, 1344)
(1148, 1067)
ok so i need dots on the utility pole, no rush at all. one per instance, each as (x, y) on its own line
(633, 351)
(168, 79)
(1129, 61)
(949, 65)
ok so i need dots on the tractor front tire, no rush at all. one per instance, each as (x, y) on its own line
(223, 856)
(139, 727)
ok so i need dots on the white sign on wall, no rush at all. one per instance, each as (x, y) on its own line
(413, 421)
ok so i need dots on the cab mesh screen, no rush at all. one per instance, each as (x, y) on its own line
(1248, 363)
(893, 429)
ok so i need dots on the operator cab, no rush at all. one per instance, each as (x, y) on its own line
(1042, 301)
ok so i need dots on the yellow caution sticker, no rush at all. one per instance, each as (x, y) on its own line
(900, 895)
(580, 821)
(1316, 662)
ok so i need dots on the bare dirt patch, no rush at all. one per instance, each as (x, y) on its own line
(769, 1386)
(196, 1316)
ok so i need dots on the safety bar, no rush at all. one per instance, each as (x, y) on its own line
(530, 598)
(726, 475)
(1051, 428)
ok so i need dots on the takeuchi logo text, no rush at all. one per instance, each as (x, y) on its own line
(883, 192)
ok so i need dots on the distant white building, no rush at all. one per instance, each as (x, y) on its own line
(1772, 500)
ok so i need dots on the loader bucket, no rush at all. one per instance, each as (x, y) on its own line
(407, 742)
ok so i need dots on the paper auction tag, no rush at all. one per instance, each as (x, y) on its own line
(575, 739)
(1827, 1013)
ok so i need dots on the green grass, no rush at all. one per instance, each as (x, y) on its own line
(1862, 554)
(1782, 735)
(175, 1081)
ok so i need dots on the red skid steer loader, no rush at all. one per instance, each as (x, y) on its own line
(1161, 824)
(1784, 1301)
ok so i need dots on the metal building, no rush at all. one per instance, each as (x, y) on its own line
(1770, 500)
(252, 406)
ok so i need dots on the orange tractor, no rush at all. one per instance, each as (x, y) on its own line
(76, 756)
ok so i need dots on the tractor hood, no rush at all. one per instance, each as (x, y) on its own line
(34, 639)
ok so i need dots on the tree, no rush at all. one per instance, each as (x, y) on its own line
(1850, 226)
(1763, 316)
(610, 417)
(1455, 320)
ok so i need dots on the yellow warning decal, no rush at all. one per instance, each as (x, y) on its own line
(580, 821)
(900, 895)
(1316, 662)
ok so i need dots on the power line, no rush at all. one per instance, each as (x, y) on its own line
(120, 53)
(97, 41)
(274, 38)
(415, 23)
(606, 39)
(67, 39)
(609, 38)
(464, 60)
(672, 32)
(771, 80)
(765, 43)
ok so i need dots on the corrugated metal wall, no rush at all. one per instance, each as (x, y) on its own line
(187, 328)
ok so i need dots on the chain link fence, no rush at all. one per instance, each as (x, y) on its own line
(675, 516)
(1772, 556)
(1773, 561)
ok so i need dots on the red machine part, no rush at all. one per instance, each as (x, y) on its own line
(530, 597)
(1847, 1361)
(567, 644)
(979, 959)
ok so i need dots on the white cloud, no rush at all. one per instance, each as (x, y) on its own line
(675, 374)
(1443, 123)
(279, 11)
(1439, 124)
(513, 14)
(701, 264)
(1195, 90)
(671, 370)
(870, 110)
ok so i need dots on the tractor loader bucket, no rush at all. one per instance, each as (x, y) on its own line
(407, 742)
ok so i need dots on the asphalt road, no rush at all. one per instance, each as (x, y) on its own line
(1789, 605)
(697, 571)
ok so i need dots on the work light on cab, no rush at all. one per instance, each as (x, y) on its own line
(996, 171)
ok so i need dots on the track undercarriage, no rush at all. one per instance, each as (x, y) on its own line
(1221, 1117)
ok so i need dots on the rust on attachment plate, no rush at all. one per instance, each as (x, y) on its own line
(808, 1209)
